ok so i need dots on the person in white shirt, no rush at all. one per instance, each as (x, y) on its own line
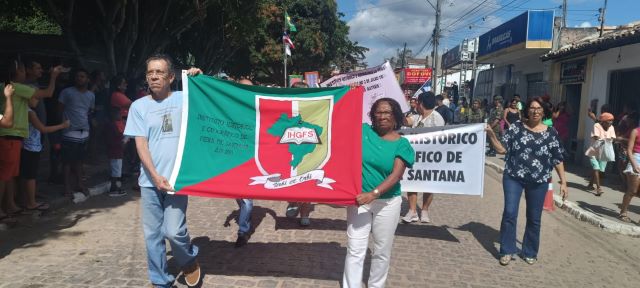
(427, 117)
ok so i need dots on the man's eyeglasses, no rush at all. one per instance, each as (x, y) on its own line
(160, 74)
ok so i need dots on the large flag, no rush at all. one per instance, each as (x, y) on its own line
(239, 141)
(289, 23)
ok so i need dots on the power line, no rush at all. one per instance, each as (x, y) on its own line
(377, 7)
(462, 17)
(489, 14)
(425, 45)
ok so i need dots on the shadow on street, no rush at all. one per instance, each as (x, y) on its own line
(598, 210)
(486, 236)
(33, 229)
(300, 260)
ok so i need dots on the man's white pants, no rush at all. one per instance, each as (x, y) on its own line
(380, 218)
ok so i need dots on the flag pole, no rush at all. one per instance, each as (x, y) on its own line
(284, 51)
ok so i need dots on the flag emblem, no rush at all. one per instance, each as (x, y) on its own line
(302, 129)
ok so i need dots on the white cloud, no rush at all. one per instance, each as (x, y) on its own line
(585, 24)
(386, 25)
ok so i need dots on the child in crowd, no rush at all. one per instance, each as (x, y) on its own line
(6, 115)
(115, 146)
(30, 156)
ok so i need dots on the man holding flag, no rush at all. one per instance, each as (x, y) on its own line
(154, 121)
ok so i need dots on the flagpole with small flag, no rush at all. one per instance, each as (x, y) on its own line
(284, 46)
(287, 43)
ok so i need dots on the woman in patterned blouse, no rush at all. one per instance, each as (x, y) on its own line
(531, 150)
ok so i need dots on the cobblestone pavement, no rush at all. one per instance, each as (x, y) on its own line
(99, 244)
(606, 206)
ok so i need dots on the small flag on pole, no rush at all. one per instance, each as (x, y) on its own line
(426, 87)
(287, 20)
(287, 50)
(287, 40)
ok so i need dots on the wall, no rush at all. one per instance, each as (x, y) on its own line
(603, 63)
(521, 67)
(572, 34)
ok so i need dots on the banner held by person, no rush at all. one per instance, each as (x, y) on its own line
(379, 82)
(449, 160)
(255, 142)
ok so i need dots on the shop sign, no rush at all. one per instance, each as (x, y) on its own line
(535, 28)
(416, 75)
(573, 71)
(451, 58)
(312, 78)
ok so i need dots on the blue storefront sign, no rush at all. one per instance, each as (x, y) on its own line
(533, 28)
(451, 58)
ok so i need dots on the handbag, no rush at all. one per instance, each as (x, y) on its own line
(594, 149)
(606, 152)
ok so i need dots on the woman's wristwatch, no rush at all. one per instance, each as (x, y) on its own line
(376, 192)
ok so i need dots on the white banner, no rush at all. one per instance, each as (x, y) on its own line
(449, 160)
(379, 82)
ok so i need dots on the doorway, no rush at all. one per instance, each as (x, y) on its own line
(572, 94)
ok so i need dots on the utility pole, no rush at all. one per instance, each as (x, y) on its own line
(602, 12)
(404, 50)
(436, 43)
(474, 67)
(564, 13)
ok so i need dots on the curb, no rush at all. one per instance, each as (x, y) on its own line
(586, 216)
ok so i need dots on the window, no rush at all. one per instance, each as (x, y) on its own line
(536, 87)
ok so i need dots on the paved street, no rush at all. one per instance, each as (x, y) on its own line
(600, 211)
(99, 244)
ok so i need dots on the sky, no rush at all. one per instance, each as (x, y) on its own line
(384, 26)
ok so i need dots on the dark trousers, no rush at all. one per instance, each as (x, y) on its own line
(534, 194)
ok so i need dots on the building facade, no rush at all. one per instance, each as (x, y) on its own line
(513, 49)
(597, 71)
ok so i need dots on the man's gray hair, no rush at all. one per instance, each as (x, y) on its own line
(166, 58)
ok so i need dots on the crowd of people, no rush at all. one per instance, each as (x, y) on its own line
(70, 114)
(143, 130)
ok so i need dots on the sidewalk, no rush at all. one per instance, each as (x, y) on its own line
(600, 211)
(96, 174)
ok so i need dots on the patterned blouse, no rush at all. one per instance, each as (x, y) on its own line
(531, 155)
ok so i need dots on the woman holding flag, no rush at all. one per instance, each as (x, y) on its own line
(385, 155)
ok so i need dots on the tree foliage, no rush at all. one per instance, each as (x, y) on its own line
(240, 37)
(26, 16)
(321, 41)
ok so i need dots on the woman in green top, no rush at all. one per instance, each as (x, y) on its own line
(385, 155)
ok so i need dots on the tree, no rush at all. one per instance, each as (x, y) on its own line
(321, 41)
(128, 31)
(400, 58)
(241, 37)
(218, 40)
(26, 16)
